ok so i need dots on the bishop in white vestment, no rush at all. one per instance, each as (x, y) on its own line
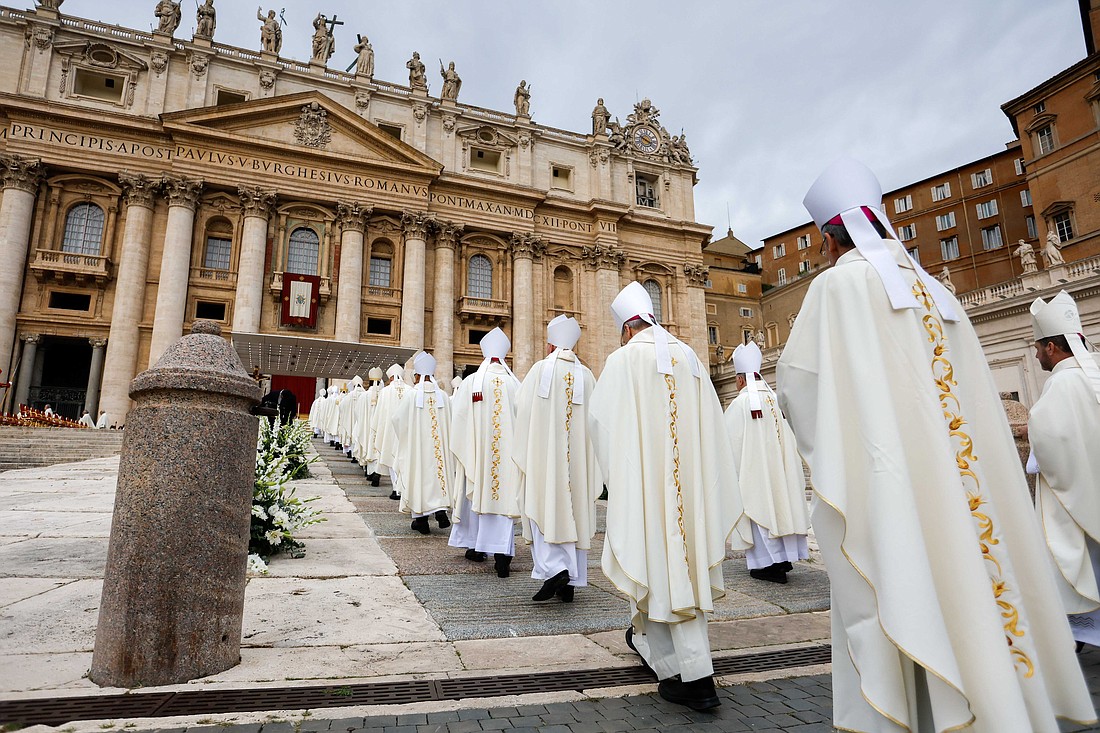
(769, 471)
(559, 476)
(944, 608)
(1063, 429)
(315, 412)
(364, 409)
(346, 419)
(332, 416)
(483, 441)
(383, 439)
(424, 463)
(673, 500)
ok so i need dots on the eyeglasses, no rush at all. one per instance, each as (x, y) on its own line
(824, 249)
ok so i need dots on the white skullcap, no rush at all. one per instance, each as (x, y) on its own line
(563, 332)
(395, 372)
(1059, 317)
(850, 190)
(495, 344)
(747, 360)
(375, 374)
(634, 302)
(424, 364)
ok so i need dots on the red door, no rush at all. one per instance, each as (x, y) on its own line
(304, 388)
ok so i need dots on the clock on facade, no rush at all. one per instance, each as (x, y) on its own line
(646, 139)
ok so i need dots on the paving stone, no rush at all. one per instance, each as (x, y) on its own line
(343, 725)
(446, 716)
(412, 719)
(463, 726)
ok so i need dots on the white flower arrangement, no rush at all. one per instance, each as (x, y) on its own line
(276, 512)
(256, 565)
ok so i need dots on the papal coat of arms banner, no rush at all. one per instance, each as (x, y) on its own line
(300, 300)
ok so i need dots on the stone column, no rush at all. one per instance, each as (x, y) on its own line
(175, 263)
(415, 224)
(525, 248)
(606, 260)
(696, 333)
(443, 301)
(95, 375)
(20, 177)
(256, 207)
(349, 290)
(122, 341)
(26, 371)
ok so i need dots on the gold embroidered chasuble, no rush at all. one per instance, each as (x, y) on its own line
(1063, 429)
(346, 417)
(559, 477)
(673, 498)
(424, 463)
(923, 517)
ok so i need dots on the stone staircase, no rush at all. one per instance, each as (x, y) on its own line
(30, 447)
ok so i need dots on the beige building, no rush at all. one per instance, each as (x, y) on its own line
(150, 180)
(732, 296)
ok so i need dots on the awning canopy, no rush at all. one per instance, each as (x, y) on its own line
(307, 357)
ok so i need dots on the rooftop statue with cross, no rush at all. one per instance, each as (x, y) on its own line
(324, 43)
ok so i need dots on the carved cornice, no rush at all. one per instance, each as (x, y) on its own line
(415, 224)
(697, 274)
(138, 189)
(527, 246)
(24, 174)
(353, 216)
(603, 257)
(447, 234)
(256, 202)
(181, 191)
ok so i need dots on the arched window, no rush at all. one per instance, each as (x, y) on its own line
(563, 288)
(219, 245)
(83, 230)
(302, 253)
(654, 289)
(381, 264)
(479, 278)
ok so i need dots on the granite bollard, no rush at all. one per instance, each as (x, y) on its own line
(173, 590)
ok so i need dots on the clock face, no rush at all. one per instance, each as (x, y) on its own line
(646, 139)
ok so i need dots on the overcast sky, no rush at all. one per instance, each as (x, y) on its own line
(768, 91)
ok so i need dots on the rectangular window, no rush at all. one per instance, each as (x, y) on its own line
(991, 238)
(485, 160)
(742, 288)
(903, 204)
(915, 254)
(759, 260)
(981, 178)
(380, 270)
(907, 232)
(987, 209)
(209, 310)
(1064, 226)
(561, 177)
(782, 276)
(476, 335)
(217, 254)
(1025, 197)
(646, 190)
(747, 312)
(70, 301)
(780, 250)
(1032, 232)
(804, 241)
(803, 267)
(1045, 139)
(945, 221)
(226, 96)
(380, 326)
(393, 131)
(712, 335)
(1019, 162)
(98, 85)
(949, 248)
(1040, 108)
(712, 309)
(941, 192)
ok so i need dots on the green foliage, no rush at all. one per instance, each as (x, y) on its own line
(277, 513)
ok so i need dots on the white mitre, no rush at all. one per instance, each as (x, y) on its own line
(849, 190)
(747, 360)
(375, 374)
(1059, 317)
(455, 382)
(494, 345)
(563, 333)
(424, 365)
(396, 372)
(634, 302)
(356, 381)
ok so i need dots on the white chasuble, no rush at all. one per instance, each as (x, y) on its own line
(315, 411)
(769, 469)
(383, 439)
(483, 441)
(559, 476)
(423, 461)
(347, 416)
(1063, 429)
(923, 517)
(360, 434)
(332, 414)
(673, 500)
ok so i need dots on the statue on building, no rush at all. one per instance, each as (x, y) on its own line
(451, 82)
(1026, 253)
(324, 42)
(600, 118)
(418, 77)
(50, 4)
(945, 278)
(1051, 250)
(169, 16)
(678, 150)
(271, 33)
(719, 353)
(364, 63)
(522, 99)
(760, 341)
(206, 20)
(617, 135)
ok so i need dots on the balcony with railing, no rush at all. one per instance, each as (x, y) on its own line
(1030, 283)
(71, 267)
(483, 311)
(383, 294)
(275, 287)
(213, 277)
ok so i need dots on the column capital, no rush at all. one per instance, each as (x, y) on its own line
(603, 257)
(415, 224)
(97, 342)
(256, 202)
(24, 174)
(138, 189)
(353, 216)
(181, 191)
(447, 234)
(697, 275)
(31, 338)
(525, 245)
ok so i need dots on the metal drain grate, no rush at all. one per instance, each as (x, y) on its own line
(58, 711)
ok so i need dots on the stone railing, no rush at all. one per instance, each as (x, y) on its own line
(1083, 268)
(1032, 282)
(12, 14)
(105, 29)
(483, 310)
(377, 291)
(211, 276)
(53, 264)
(487, 114)
(276, 287)
(385, 86)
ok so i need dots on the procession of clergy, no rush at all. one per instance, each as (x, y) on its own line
(954, 600)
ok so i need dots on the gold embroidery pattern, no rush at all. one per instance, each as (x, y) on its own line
(440, 474)
(943, 373)
(673, 417)
(568, 410)
(495, 469)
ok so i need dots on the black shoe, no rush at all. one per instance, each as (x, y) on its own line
(503, 564)
(394, 495)
(442, 519)
(475, 556)
(337, 446)
(420, 524)
(786, 567)
(697, 694)
(375, 478)
(1080, 647)
(565, 593)
(770, 574)
(551, 586)
(630, 643)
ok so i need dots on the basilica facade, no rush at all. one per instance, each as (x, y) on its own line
(150, 180)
